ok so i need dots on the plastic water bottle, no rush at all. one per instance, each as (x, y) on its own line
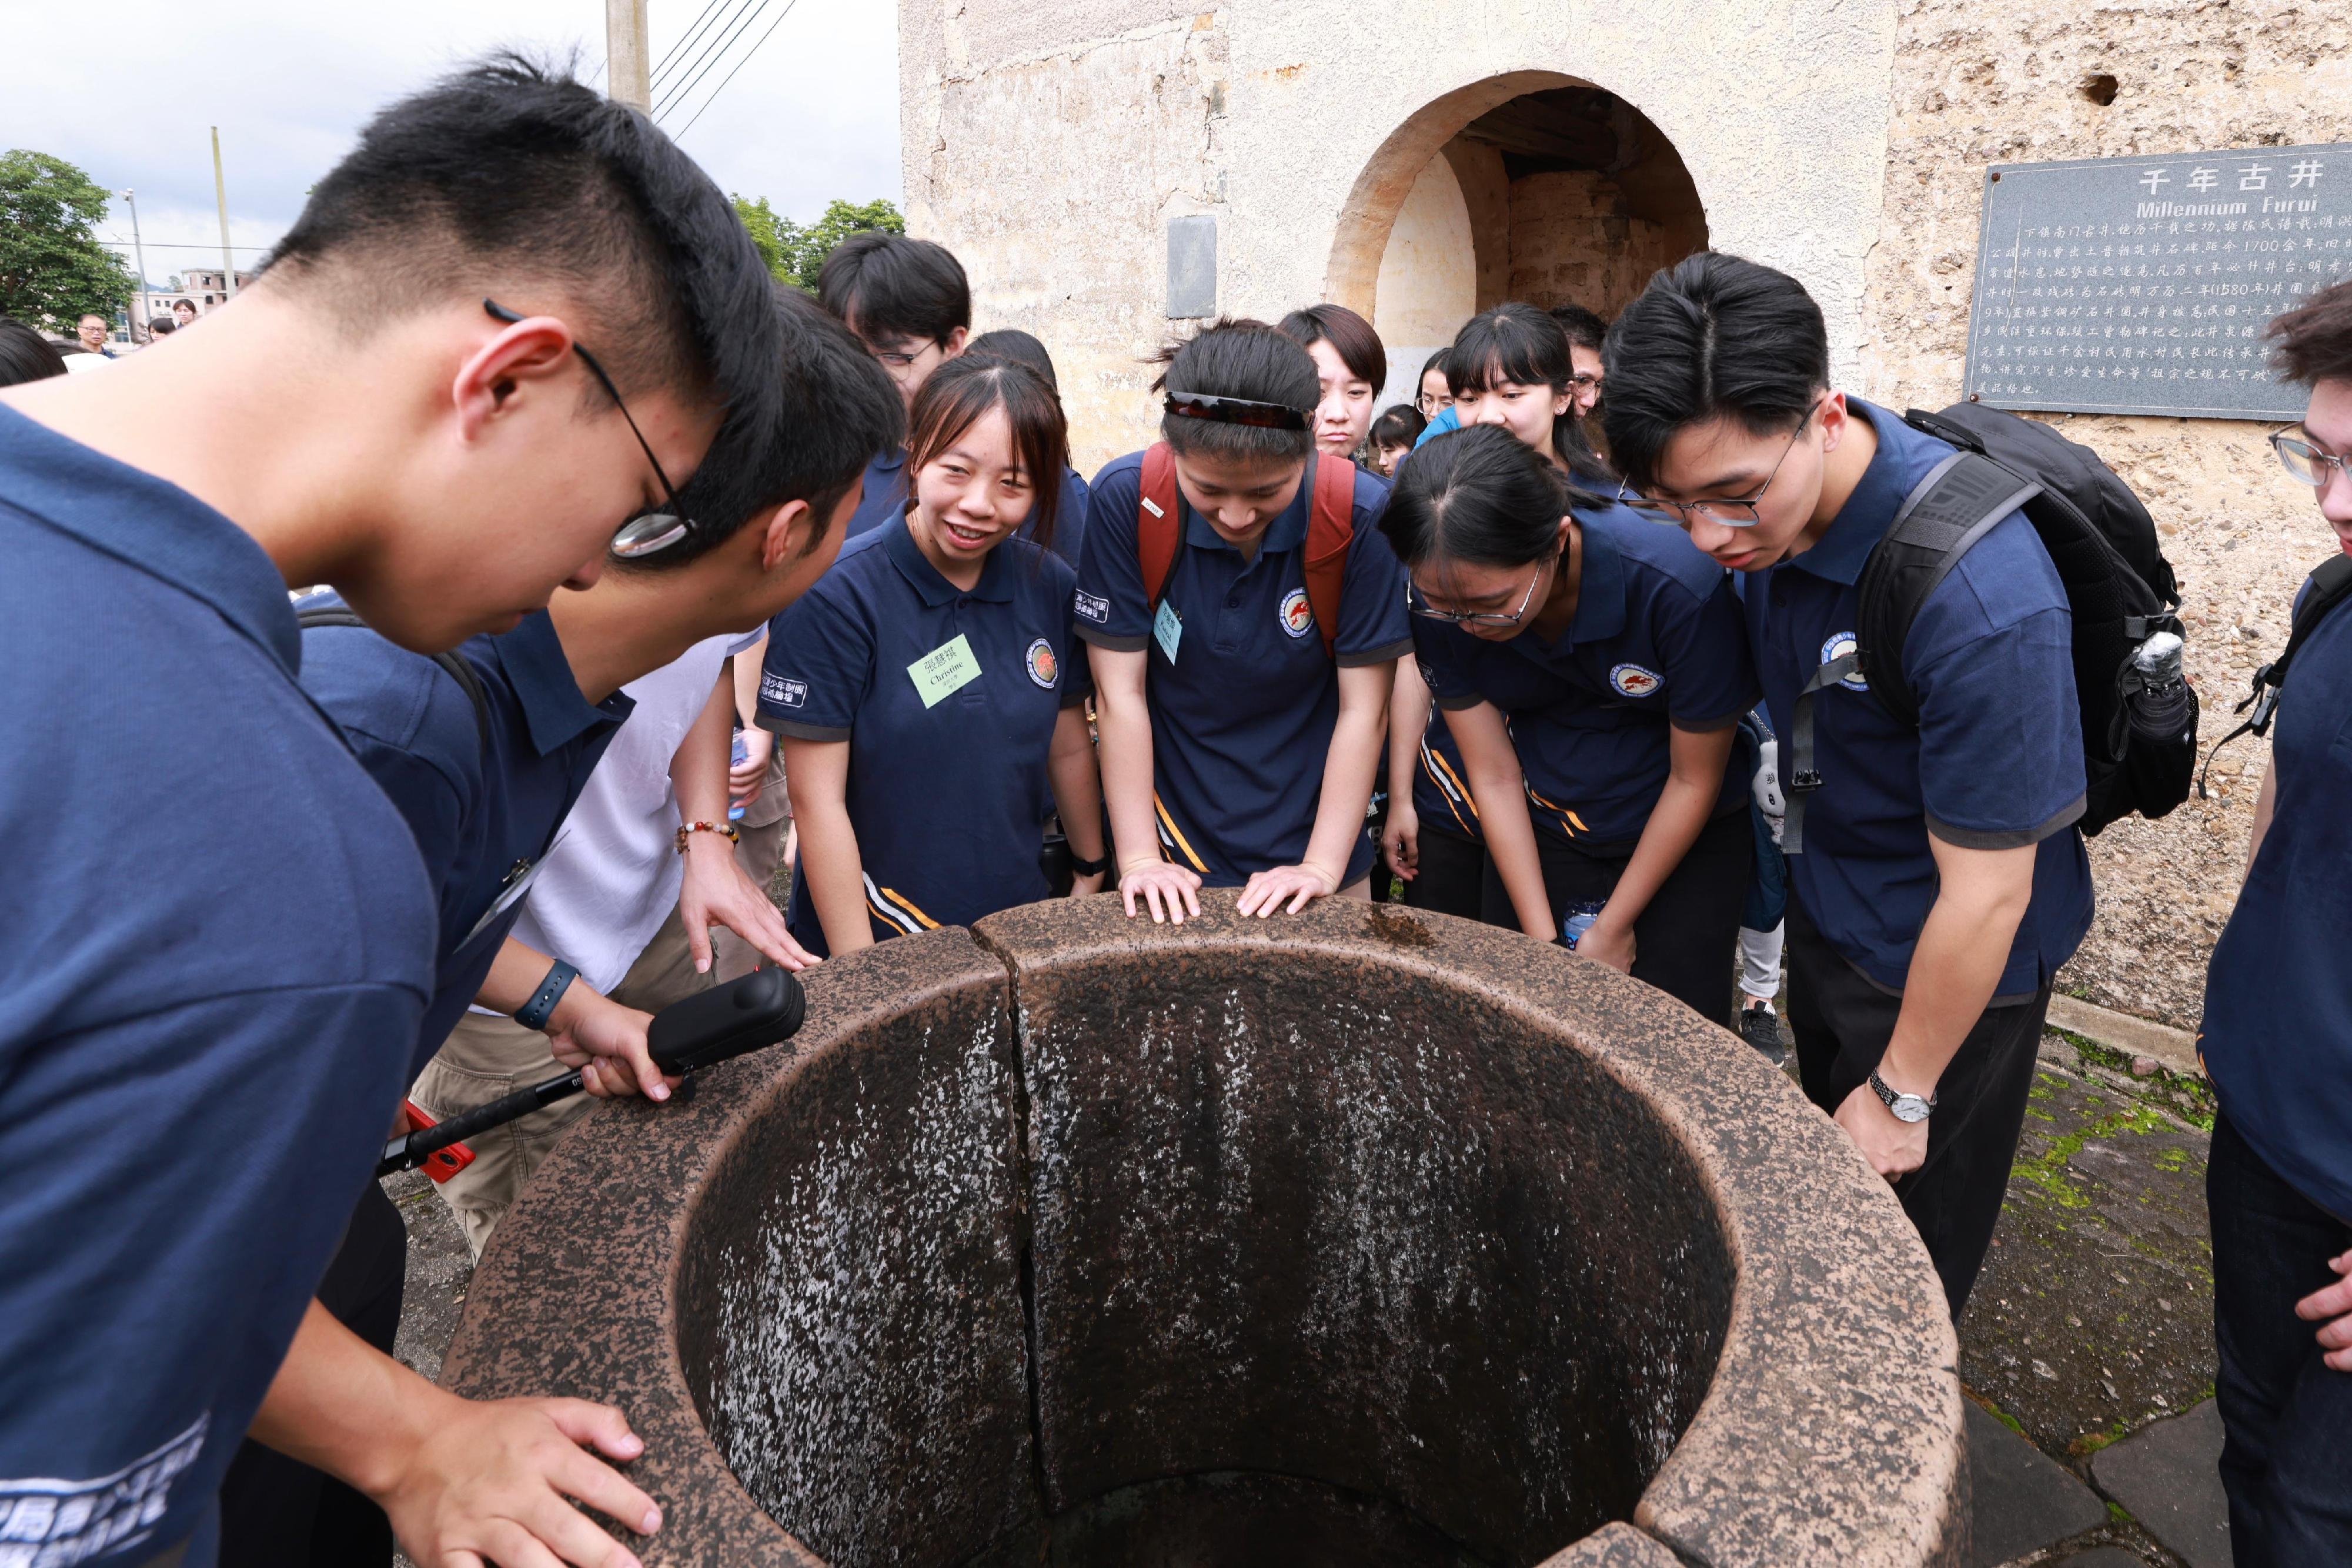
(1580, 920)
(739, 757)
(2163, 708)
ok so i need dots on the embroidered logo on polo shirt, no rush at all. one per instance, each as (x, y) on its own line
(1297, 615)
(1633, 681)
(1043, 668)
(1092, 609)
(776, 689)
(1838, 646)
(48, 1521)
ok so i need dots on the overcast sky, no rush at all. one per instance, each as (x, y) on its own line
(129, 91)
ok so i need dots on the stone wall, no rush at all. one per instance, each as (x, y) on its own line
(1985, 81)
(1573, 241)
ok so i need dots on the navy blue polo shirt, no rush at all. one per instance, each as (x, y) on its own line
(1655, 644)
(885, 495)
(1996, 762)
(947, 788)
(1441, 783)
(1242, 716)
(481, 821)
(215, 949)
(2277, 1035)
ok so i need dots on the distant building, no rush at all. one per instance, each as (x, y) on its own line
(203, 289)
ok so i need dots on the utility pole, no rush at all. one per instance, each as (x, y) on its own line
(627, 56)
(220, 193)
(138, 255)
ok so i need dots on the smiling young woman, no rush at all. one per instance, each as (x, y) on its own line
(1242, 617)
(939, 649)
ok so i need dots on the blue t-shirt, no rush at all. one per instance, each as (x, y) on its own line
(1446, 420)
(1243, 699)
(481, 822)
(2277, 1034)
(884, 498)
(1069, 520)
(216, 947)
(1996, 762)
(947, 788)
(1656, 643)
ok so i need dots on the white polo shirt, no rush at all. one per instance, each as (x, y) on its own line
(613, 874)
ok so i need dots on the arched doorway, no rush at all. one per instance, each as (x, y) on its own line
(1532, 186)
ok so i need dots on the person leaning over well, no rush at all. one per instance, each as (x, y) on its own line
(1940, 880)
(2277, 1042)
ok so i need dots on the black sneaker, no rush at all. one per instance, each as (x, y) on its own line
(1761, 1027)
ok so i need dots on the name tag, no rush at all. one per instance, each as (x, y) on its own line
(944, 670)
(1167, 630)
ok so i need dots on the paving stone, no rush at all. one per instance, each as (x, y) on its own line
(2095, 1311)
(2023, 1499)
(2167, 1476)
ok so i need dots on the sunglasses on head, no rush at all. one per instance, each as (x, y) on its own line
(1234, 410)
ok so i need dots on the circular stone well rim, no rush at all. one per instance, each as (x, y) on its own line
(1832, 1430)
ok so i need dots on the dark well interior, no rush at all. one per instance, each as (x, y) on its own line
(1235, 1257)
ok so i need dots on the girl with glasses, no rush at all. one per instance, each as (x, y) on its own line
(1242, 618)
(1593, 669)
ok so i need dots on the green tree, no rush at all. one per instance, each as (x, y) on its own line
(796, 254)
(53, 270)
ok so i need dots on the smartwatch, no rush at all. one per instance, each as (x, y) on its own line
(534, 1013)
(1906, 1107)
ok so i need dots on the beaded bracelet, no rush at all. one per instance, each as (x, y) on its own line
(728, 830)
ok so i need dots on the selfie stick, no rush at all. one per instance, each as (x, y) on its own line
(724, 1022)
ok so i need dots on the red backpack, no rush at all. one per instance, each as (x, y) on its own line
(1331, 528)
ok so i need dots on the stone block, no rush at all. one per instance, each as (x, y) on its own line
(2024, 1500)
(2168, 1475)
(1192, 266)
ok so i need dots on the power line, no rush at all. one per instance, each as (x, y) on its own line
(182, 245)
(693, 32)
(680, 96)
(712, 52)
(739, 66)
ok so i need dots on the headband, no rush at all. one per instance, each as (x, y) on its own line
(1234, 410)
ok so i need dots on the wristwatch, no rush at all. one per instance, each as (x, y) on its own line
(1906, 1107)
(1092, 867)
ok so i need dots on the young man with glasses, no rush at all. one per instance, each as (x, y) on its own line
(909, 302)
(1936, 880)
(2277, 1039)
(211, 1010)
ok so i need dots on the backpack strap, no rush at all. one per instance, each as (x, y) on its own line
(452, 663)
(1331, 528)
(1158, 525)
(1946, 513)
(2331, 583)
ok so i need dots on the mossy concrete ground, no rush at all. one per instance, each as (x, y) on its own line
(2093, 1316)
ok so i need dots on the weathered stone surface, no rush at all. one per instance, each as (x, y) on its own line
(1390, 1239)
(2169, 1478)
(2024, 1500)
(1614, 1546)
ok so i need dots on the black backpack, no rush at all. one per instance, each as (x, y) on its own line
(452, 664)
(2139, 729)
(2331, 583)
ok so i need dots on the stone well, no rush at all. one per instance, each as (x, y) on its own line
(1354, 1237)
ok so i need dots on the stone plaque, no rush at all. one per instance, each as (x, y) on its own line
(2143, 284)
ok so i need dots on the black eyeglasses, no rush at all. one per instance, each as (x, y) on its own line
(651, 532)
(1420, 605)
(1731, 514)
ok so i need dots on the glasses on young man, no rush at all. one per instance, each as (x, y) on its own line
(2305, 462)
(1423, 608)
(1732, 512)
(649, 531)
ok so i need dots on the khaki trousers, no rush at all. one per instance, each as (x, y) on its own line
(485, 1058)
